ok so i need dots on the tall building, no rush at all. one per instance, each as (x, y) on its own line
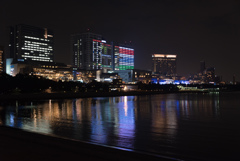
(91, 52)
(1, 59)
(164, 64)
(107, 57)
(87, 51)
(29, 43)
(209, 74)
(123, 58)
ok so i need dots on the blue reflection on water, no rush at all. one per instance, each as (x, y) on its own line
(156, 123)
(109, 123)
(178, 108)
(126, 128)
(98, 133)
(11, 119)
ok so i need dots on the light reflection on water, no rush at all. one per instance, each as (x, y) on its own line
(171, 124)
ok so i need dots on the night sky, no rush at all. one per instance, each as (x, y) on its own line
(195, 30)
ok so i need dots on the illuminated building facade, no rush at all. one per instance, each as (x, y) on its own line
(34, 68)
(87, 51)
(51, 70)
(107, 57)
(29, 43)
(134, 75)
(1, 59)
(164, 64)
(123, 58)
(91, 52)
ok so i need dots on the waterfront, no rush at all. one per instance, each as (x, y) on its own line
(186, 126)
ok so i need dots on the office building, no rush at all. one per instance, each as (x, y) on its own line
(164, 64)
(123, 58)
(91, 52)
(1, 59)
(29, 43)
(106, 57)
(87, 51)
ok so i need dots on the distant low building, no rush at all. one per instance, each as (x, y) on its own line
(134, 75)
(50, 70)
(205, 76)
(209, 74)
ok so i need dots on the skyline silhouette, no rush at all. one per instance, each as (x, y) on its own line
(193, 30)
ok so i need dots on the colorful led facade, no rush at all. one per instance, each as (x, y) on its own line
(92, 52)
(107, 64)
(123, 58)
(102, 55)
(28, 43)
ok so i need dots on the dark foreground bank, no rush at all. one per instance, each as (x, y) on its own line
(19, 145)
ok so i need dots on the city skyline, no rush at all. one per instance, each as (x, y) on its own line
(194, 31)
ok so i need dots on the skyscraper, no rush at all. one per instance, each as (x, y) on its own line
(107, 57)
(123, 58)
(29, 43)
(91, 52)
(164, 64)
(87, 51)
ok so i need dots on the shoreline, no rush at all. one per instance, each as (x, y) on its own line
(69, 95)
(17, 144)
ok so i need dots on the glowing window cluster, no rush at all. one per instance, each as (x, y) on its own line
(35, 38)
(36, 49)
(97, 54)
(124, 58)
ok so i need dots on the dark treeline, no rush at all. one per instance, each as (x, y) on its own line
(32, 84)
(28, 84)
(23, 83)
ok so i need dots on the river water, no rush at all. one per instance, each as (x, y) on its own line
(184, 126)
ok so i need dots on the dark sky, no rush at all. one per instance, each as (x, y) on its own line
(195, 30)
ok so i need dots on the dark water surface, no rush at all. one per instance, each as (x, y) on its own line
(184, 126)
